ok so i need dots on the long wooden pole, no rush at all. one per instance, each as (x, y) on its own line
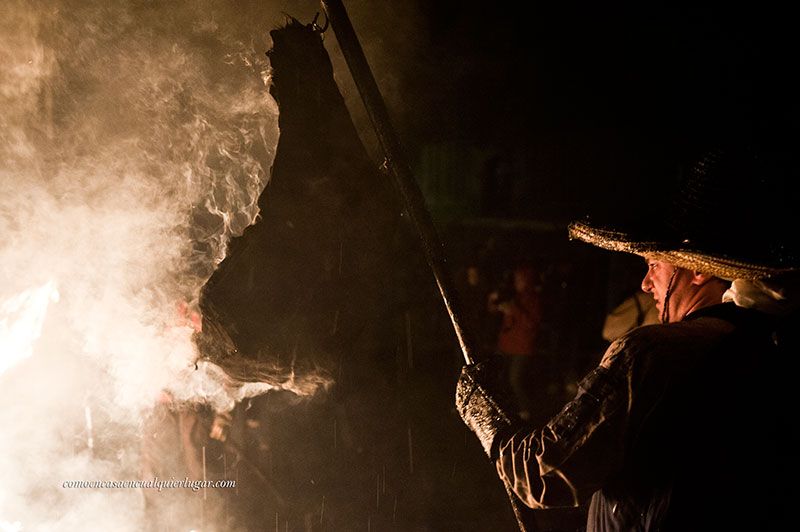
(400, 170)
(406, 185)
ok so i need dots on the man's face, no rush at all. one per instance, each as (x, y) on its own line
(678, 292)
(662, 278)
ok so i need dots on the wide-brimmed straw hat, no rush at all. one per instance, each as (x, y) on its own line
(734, 217)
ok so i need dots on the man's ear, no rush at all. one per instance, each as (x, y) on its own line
(700, 278)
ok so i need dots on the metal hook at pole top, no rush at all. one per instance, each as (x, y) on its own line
(316, 27)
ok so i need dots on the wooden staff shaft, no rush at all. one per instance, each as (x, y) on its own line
(400, 170)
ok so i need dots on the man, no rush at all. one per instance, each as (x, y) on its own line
(683, 425)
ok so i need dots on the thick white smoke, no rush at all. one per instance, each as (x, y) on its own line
(135, 138)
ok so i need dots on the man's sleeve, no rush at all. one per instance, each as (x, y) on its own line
(565, 462)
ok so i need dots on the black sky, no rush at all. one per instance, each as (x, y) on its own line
(611, 96)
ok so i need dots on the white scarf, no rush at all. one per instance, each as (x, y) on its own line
(767, 295)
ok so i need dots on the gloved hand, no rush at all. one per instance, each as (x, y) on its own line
(478, 399)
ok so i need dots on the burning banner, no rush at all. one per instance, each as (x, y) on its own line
(284, 308)
(299, 285)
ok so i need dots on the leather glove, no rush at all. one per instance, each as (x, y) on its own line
(479, 407)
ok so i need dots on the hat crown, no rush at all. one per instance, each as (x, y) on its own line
(733, 202)
(732, 216)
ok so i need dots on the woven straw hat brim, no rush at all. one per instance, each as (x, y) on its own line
(676, 254)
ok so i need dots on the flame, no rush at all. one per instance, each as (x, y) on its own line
(5, 526)
(21, 320)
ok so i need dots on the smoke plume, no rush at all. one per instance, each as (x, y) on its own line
(135, 139)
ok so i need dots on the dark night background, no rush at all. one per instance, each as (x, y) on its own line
(517, 119)
(521, 117)
(582, 100)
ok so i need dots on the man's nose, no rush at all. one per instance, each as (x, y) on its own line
(647, 283)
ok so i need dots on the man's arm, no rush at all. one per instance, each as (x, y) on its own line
(566, 461)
